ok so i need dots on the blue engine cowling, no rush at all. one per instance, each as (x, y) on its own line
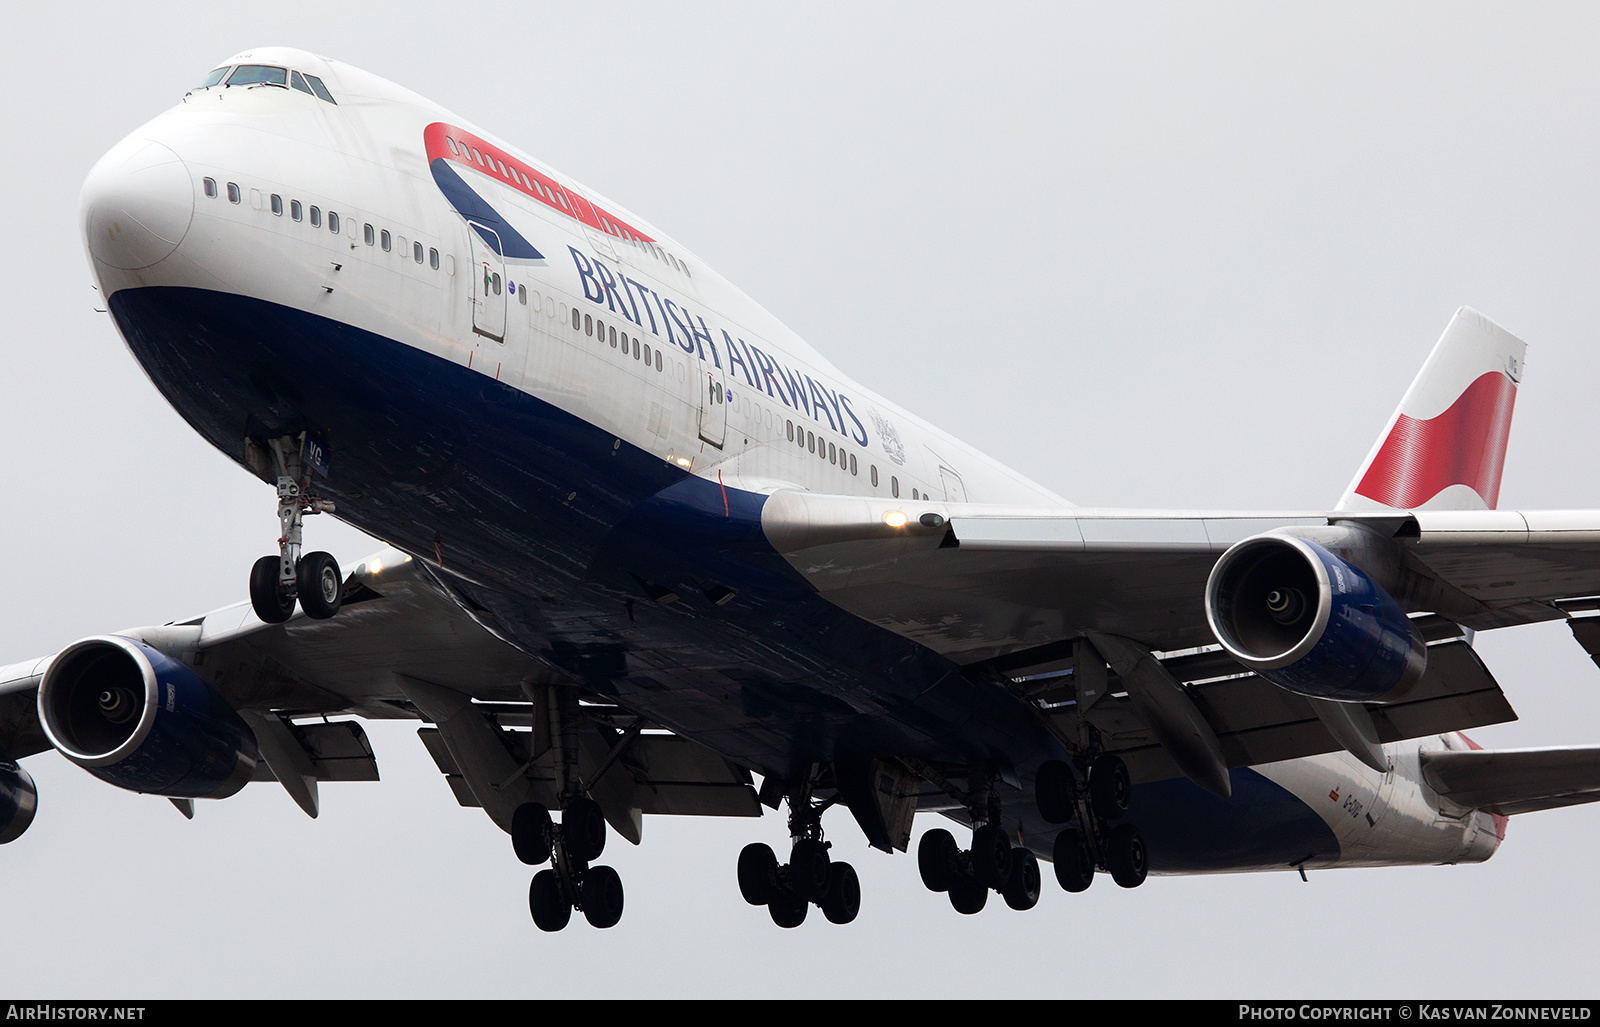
(18, 801)
(1309, 622)
(135, 718)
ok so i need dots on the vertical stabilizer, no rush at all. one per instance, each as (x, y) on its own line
(1445, 446)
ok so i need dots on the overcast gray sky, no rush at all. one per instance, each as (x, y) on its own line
(1153, 255)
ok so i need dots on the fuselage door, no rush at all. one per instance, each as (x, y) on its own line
(488, 283)
(954, 490)
(713, 404)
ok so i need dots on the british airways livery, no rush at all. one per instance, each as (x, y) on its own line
(644, 546)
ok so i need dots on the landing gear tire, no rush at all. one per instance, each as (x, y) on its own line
(1022, 890)
(758, 873)
(1053, 789)
(270, 605)
(808, 870)
(1126, 856)
(843, 900)
(321, 587)
(991, 856)
(583, 830)
(1074, 872)
(936, 859)
(786, 910)
(531, 833)
(968, 896)
(1110, 788)
(601, 890)
(549, 907)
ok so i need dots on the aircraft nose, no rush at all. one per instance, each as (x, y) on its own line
(137, 203)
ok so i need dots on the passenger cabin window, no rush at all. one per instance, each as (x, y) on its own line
(277, 205)
(874, 475)
(416, 252)
(233, 192)
(316, 217)
(211, 187)
(369, 234)
(295, 210)
(259, 75)
(894, 486)
(433, 262)
(384, 238)
(333, 222)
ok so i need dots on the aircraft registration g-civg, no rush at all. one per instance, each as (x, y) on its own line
(645, 545)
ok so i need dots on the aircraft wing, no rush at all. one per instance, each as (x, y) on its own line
(1006, 592)
(976, 582)
(400, 648)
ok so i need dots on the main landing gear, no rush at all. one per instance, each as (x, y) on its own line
(788, 890)
(314, 579)
(1118, 848)
(570, 846)
(991, 864)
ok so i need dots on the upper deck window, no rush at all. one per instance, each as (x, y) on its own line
(213, 78)
(259, 75)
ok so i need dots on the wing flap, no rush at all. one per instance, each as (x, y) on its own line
(1257, 722)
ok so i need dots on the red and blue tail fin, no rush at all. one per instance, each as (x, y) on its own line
(1445, 446)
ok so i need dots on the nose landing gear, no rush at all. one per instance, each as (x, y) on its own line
(314, 579)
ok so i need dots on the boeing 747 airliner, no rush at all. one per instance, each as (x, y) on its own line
(645, 545)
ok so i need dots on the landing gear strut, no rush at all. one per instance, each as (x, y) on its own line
(993, 863)
(1106, 797)
(314, 579)
(811, 877)
(570, 846)
(570, 883)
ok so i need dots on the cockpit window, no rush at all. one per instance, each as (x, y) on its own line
(212, 79)
(259, 74)
(321, 90)
(300, 83)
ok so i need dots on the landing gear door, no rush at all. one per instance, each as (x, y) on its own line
(488, 283)
(713, 405)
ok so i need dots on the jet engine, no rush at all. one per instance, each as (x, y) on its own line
(132, 716)
(18, 801)
(1309, 622)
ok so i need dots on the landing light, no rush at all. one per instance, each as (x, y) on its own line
(895, 518)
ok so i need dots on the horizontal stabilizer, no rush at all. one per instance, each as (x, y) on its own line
(1511, 781)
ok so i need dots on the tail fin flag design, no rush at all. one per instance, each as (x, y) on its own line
(1445, 446)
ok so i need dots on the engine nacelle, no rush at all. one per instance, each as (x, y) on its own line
(135, 718)
(1309, 622)
(18, 801)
